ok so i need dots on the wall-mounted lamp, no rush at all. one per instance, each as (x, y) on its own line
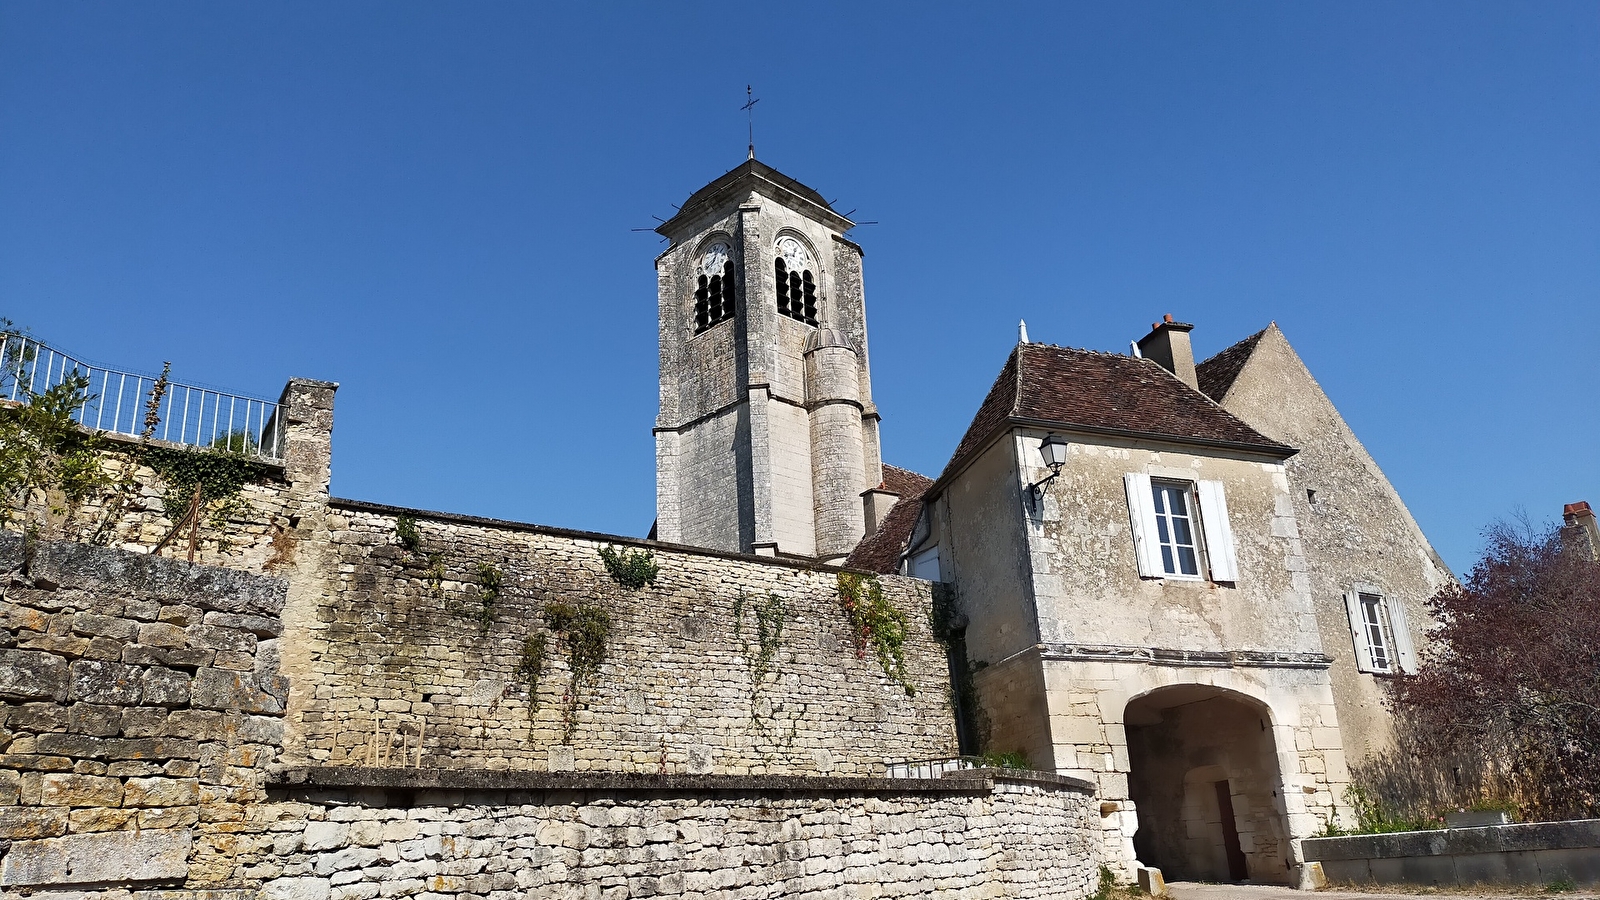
(1054, 452)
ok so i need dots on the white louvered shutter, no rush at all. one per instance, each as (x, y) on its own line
(1218, 530)
(1405, 652)
(1142, 515)
(1358, 631)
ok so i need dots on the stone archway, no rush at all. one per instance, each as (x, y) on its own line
(1204, 779)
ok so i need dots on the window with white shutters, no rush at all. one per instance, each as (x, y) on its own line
(1180, 528)
(1380, 633)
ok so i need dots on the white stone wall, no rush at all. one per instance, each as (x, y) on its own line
(1021, 841)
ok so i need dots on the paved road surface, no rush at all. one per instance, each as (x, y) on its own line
(1190, 891)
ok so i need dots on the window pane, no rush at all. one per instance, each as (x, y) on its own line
(1166, 559)
(1180, 527)
(1187, 559)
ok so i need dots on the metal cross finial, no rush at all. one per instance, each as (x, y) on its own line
(750, 107)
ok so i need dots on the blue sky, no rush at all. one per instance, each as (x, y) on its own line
(431, 205)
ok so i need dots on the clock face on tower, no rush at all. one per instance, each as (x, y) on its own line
(794, 254)
(714, 258)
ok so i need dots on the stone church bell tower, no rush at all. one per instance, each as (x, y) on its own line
(767, 436)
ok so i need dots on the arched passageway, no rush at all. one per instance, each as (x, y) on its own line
(1205, 783)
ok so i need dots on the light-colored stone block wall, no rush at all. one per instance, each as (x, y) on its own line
(1087, 581)
(1356, 530)
(679, 691)
(983, 550)
(142, 707)
(1020, 839)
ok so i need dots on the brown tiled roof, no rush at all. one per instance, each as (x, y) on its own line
(1217, 374)
(880, 551)
(1103, 392)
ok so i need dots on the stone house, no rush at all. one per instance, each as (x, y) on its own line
(1185, 582)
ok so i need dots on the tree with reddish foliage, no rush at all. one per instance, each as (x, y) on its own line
(1507, 699)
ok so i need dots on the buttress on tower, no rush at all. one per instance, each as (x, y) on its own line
(767, 437)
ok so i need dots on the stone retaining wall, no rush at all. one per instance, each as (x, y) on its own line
(718, 836)
(397, 659)
(1535, 854)
(142, 705)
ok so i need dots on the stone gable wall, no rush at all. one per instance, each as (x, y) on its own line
(396, 662)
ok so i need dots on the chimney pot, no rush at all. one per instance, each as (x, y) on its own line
(1167, 317)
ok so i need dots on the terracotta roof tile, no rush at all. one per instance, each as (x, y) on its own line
(880, 551)
(1217, 374)
(1106, 392)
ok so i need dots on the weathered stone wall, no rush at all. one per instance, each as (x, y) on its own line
(394, 662)
(246, 541)
(142, 705)
(143, 722)
(1356, 530)
(985, 837)
(1534, 855)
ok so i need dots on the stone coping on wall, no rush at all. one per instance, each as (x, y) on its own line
(967, 781)
(1577, 834)
(363, 506)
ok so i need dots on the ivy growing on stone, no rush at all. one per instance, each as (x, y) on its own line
(490, 582)
(405, 528)
(531, 665)
(769, 615)
(201, 484)
(583, 630)
(633, 569)
(435, 573)
(876, 624)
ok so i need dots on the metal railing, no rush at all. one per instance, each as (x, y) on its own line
(933, 768)
(116, 401)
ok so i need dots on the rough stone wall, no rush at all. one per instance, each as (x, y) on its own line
(142, 706)
(143, 719)
(1086, 580)
(246, 542)
(1356, 530)
(1022, 840)
(393, 661)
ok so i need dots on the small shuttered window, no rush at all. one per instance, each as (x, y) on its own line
(1180, 528)
(1380, 632)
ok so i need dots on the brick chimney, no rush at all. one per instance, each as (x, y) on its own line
(1167, 345)
(1580, 531)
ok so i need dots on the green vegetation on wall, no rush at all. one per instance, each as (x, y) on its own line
(875, 624)
(633, 569)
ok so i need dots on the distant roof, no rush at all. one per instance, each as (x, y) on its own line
(757, 175)
(1106, 393)
(881, 550)
(1217, 374)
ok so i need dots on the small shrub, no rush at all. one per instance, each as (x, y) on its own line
(405, 528)
(633, 569)
(490, 580)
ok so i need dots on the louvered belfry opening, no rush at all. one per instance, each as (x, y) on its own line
(797, 292)
(714, 299)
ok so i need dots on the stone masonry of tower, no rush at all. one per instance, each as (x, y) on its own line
(767, 436)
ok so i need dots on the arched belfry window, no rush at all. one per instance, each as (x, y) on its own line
(797, 287)
(713, 297)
